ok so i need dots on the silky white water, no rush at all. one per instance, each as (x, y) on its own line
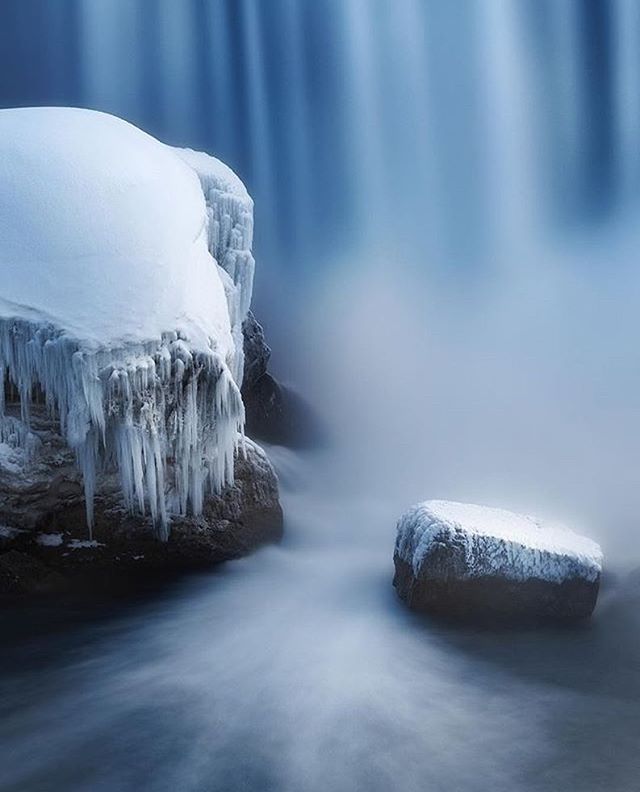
(298, 669)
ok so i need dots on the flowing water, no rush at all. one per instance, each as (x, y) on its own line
(446, 204)
(299, 669)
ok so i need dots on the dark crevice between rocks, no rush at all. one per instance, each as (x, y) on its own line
(274, 412)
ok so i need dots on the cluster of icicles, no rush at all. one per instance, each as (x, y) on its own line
(165, 416)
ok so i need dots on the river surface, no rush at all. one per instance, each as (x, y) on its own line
(298, 669)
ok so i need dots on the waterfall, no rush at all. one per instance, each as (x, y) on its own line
(442, 126)
(259, 128)
(627, 96)
(511, 188)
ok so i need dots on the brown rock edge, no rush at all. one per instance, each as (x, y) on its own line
(233, 524)
(494, 599)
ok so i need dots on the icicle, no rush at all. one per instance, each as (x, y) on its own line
(146, 409)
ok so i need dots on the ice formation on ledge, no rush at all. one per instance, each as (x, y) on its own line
(112, 308)
(230, 237)
(495, 542)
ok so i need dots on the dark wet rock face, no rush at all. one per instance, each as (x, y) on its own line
(44, 541)
(256, 351)
(279, 415)
(493, 599)
(274, 413)
(21, 573)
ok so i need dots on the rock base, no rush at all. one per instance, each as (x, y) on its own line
(44, 541)
(493, 599)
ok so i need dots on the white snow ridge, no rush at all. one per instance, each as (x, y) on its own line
(112, 304)
(496, 542)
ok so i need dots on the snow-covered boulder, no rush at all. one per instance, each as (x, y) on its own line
(126, 275)
(465, 561)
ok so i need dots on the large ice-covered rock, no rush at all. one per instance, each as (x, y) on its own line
(462, 560)
(126, 274)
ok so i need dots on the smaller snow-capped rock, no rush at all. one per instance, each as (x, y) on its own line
(465, 561)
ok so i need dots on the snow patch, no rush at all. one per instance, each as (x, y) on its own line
(18, 446)
(50, 539)
(497, 542)
(84, 544)
(11, 460)
(7, 532)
